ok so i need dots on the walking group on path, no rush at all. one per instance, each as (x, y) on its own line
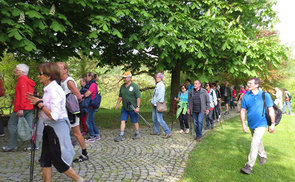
(57, 117)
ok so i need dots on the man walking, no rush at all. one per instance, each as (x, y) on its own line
(70, 86)
(198, 106)
(253, 105)
(227, 95)
(130, 95)
(22, 105)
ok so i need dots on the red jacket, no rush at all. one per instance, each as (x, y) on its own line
(23, 86)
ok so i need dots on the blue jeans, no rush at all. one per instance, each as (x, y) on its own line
(289, 107)
(209, 120)
(198, 123)
(92, 128)
(158, 118)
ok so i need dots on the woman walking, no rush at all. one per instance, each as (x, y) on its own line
(182, 108)
(159, 97)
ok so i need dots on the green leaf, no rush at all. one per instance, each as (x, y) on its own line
(7, 21)
(15, 33)
(57, 26)
(15, 12)
(3, 37)
(34, 14)
(93, 35)
(117, 33)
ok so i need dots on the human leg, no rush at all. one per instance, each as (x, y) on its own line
(186, 120)
(284, 107)
(72, 174)
(163, 123)
(181, 120)
(47, 174)
(83, 122)
(256, 145)
(200, 124)
(155, 121)
(12, 127)
(289, 107)
(195, 121)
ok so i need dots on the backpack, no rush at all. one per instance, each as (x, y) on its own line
(2, 91)
(290, 97)
(95, 102)
(278, 112)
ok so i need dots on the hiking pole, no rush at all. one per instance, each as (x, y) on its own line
(33, 143)
(173, 114)
(190, 123)
(147, 123)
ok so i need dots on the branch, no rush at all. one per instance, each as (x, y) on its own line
(146, 88)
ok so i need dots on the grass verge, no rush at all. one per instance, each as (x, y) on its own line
(221, 155)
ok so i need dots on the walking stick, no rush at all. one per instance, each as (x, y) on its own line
(190, 124)
(173, 114)
(147, 123)
(33, 143)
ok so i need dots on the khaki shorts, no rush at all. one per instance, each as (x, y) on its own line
(77, 122)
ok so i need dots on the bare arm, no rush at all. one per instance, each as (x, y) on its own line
(118, 102)
(74, 89)
(243, 116)
(138, 105)
(271, 129)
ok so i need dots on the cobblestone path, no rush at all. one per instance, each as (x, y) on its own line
(150, 158)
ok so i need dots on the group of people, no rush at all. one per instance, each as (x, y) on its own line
(56, 122)
(283, 96)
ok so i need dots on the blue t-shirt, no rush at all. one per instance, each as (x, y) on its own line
(254, 105)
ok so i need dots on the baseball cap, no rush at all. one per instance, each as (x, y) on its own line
(127, 74)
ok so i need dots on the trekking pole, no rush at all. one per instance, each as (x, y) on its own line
(147, 123)
(33, 143)
(173, 114)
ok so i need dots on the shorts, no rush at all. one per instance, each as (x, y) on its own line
(51, 151)
(133, 116)
(77, 122)
(226, 100)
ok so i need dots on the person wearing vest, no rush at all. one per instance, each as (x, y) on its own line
(198, 106)
(69, 85)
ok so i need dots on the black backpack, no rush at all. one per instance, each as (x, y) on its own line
(278, 112)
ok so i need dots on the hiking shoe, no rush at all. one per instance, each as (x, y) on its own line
(30, 148)
(119, 138)
(2, 135)
(166, 136)
(8, 149)
(97, 138)
(136, 136)
(262, 160)
(90, 140)
(246, 170)
(180, 131)
(81, 158)
(153, 133)
(187, 131)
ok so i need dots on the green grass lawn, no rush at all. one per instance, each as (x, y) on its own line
(221, 154)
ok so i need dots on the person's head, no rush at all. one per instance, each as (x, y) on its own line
(63, 67)
(83, 81)
(232, 87)
(285, 90)
(241, 87)
(90, 76)
(48, 72)
(183, 87)
(226, 83)
(253, 83)
(21, 69)
(208, 86)
(197, 84)
(217, 83)
(214, 86)
(188, 81)
(127, 77)
(159, 77)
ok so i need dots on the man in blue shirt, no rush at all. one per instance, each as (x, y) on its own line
(253, 104)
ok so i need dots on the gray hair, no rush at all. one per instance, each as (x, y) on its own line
(24, 68)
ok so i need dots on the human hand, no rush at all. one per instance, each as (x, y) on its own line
(20, 112)
(137, 110)
(271, 128)
(245, 129)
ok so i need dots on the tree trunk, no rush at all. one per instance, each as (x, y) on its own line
(175, 80)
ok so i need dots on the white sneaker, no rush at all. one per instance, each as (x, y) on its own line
(181, 131)
(187, 131)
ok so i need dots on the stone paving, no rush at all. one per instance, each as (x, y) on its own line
(150, 158)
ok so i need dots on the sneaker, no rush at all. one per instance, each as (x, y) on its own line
(81, 158)
(2, 135)
(262, 160)
(136, 136)
(246, 170)
(181, 131)
(30, 148)
(166, 136)
(97, 138)
(187, 131)
(90, 140)
(8, 149)
(119, 138)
